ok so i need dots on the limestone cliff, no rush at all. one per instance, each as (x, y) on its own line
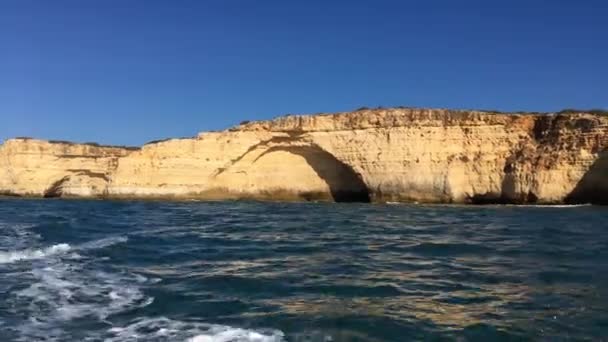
(400, 154)
(33, 167)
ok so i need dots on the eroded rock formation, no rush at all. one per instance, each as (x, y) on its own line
(32, 167)
(404, 154)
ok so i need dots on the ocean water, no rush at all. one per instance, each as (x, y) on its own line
(267, 272)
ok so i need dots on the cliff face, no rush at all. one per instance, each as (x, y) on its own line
(378, 155)
(32, 167)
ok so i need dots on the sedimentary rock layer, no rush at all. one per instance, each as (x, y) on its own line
(419, 155)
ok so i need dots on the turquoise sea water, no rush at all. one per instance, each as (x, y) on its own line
(253, 271)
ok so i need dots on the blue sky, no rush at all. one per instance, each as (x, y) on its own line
(125, 72)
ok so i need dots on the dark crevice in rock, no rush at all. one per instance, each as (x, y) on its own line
(489, 198)
(542, 126)
(91, 174)
(531, 198)
(8, 193)
(74, 156)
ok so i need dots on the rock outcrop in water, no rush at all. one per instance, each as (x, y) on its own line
(422, 155)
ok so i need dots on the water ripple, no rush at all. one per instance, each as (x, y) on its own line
(252, 271)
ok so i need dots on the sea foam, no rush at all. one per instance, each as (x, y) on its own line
(103, 243)
(228, 334)
(32, 254)
(165, 329)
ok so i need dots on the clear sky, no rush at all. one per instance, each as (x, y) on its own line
(129, 71)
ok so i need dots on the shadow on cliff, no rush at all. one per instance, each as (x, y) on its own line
(344, 183)
(593, 187)
(56, 189)
(508, 190)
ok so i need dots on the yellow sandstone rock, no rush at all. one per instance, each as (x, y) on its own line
(401, 154)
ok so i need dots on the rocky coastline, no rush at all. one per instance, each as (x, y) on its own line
(370, 155)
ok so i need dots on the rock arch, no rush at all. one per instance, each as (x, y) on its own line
(78, 183)
(345, 185)
(291, 170)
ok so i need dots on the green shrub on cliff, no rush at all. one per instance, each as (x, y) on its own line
(157, 141)
(596, 111)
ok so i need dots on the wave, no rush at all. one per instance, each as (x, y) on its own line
(29, 254)
(17, 236)
(62, 248)
(234, 334)
(63, 291)
(549, 205)
(67, 287)
(492, 205)
(165, 329)
(103, 243)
